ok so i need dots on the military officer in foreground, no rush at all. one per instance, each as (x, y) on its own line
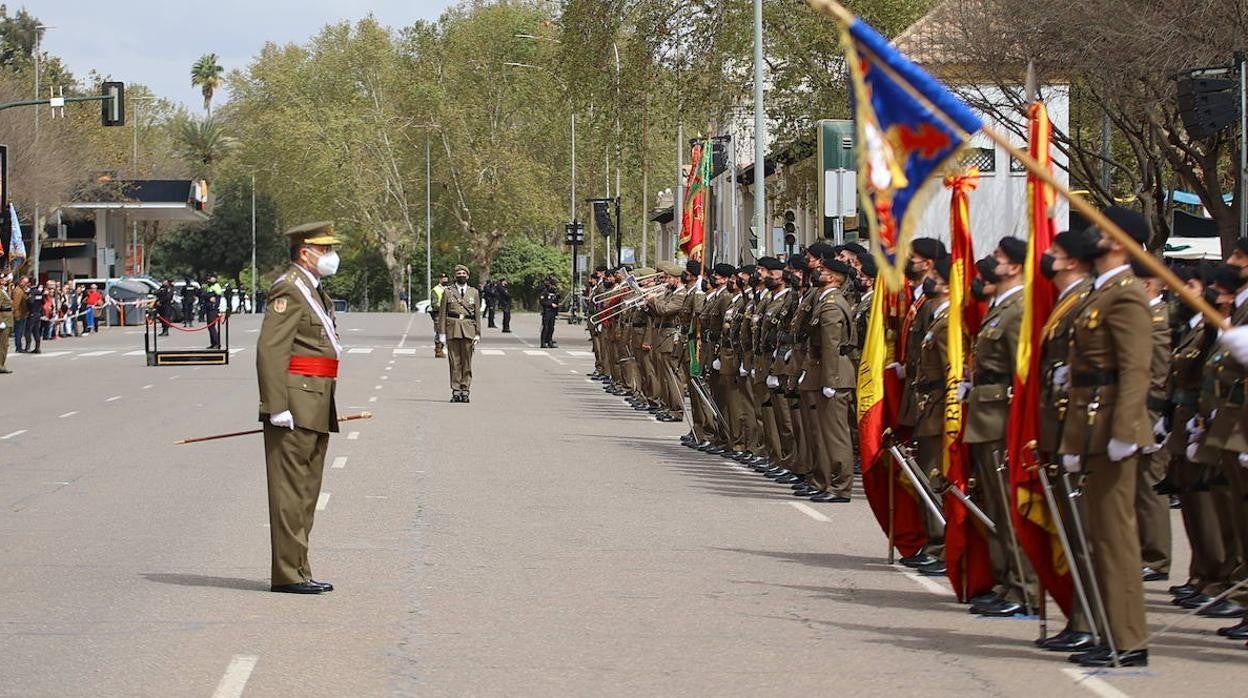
(459, 328)
(297, 370)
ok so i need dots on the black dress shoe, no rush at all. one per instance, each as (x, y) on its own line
(1239, 631)
(1068, 642)
(464, 398)
(1152, 575)
(1194, 601)
(715, 451)
(702, 446)
(454, 397)
(918, 560)
(1181, 590)
(985, 599)
(326, 586)
(935, 569)
(790, 479)
(1001, 609)
(1106, 658)
(665, 417)
(828, 498)
(776, 472)
(742, 456)
(1222, 609)
(299, 588)
(806, 491)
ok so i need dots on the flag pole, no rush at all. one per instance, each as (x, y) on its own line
(1134, 249)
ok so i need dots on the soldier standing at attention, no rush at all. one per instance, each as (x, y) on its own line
(297, 369)
(459, 329)
(1152, 509)
(1101, 440)
(435, 305)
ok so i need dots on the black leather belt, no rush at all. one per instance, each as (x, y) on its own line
(993, 378)
(928, 386)
(668, 326)
(1158, 404)
(639, 324)
(1093, 380)
(457, 316)
(6, 310)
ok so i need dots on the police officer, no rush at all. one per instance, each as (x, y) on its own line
(210, 309)
(34, 318)
(548, 303)
(189, 296)
(503, 291)
(164, 306)
(297, 368)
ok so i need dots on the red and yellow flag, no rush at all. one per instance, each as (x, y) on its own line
(966, 550)
(1036, 530)
(693, 216)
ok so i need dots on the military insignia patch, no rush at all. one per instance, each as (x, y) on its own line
(279, 305)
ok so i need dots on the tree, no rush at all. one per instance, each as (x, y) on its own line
(222, 245)
(206, 75)
(201, 143)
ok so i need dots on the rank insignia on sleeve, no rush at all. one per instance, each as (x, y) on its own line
(279, 305)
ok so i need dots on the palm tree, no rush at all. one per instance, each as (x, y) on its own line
(202, 143)
(206, 75)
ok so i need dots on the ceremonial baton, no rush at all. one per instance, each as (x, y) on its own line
(349, 418)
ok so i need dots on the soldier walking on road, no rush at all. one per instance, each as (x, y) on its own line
(459, 328)
(297, 369)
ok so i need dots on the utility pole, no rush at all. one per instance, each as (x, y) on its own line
(428, 225)
(1242, 195)
(253, 242)
(760, 132)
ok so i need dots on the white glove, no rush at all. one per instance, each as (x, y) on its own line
(1061, 377)
(3, 326)
(742, 372)
(829, 393)
(1152, 448)
(1120, 450)
(1071, 464)
(1235, 341)
(1190, 451)
(899, 369)
(441, 339)
(753, 373)
(775, 353)
(787, 355)
(1243, 460)
(476, 340)
(285, 419)
(964, 389)
(716, 365)
(1159, 428)
(773, 382)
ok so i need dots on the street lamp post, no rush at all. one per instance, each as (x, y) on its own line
(760, 131)
(253, 242)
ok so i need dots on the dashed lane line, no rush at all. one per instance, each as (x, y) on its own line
(405, 352)
(339, 463)
(929, 584)
(534, 352)
(149, 386)
(17, 433)
(360, 350)
(322, 501)
(493, 352)
(352, 436)
(373, 399)
(102, 352)
(809, 511)
(407, 330)
(377, 387)
(68, 414)
(114, 398)
(236, 676)
(1093, 684)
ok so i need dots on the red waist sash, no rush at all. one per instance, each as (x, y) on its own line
(315, 366)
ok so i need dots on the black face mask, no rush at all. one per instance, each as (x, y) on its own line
(929, 288)
(1046, 266)
(771, 283)
(1101, 248)
(913, 273)
(977, 289)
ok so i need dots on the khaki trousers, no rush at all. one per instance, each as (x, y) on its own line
(294, 464)
(459, 351)
(4, 345)
(1010, 581)
(1209, 568)
(1109, 490)
(1153, 510)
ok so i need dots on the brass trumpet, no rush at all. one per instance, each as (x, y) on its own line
(628, 304)
(628, 285)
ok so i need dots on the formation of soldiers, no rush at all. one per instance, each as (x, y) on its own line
(1142, 409)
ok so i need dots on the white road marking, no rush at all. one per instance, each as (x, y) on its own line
(134, 353)
(373, 399)
(406, 330)
(558, 360)
(493, 352)
(174, 378)
(375, 496)
(384, 378)
(572, 370)
(376, 387)
(6, 437)
(252, 331)
(352, 436)
(405, 352)
(535, 352)
(147, 387)
(360, 350)
(807, 510)
(928, 584)
(235, 350)
(580, 353)
(235, 678)
(68, 414)
(113, 398)
(102, 352)
(339, 463)
(50, 354)
(1093, 684)
(322, 501)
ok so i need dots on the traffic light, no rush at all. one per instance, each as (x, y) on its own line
(574, 233)
(113, 109)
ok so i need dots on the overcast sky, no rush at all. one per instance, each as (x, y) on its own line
(155, 42)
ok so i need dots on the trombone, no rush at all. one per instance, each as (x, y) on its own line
(629, 284)
(637, 299)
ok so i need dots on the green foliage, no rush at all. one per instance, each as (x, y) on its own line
(526, 263)
(206, 75)
(362, 280)
(223, 244)
(202, 143)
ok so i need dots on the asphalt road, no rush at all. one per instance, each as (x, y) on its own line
(544, 540)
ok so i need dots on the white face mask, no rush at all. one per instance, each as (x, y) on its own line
(327, 264)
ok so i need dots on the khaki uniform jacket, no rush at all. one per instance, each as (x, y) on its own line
(996, 346)
(919, 320)
(665, 311)
(1105, 343)
(773, 328)
(1226, 377)
(928, 384)
(862, 315)
(754, 330)
(829, 341)
(711, 325)
(730, 348)
(1163, 344)
(292, 327)
(1055, 352)
(466, 306)
(1184, 381)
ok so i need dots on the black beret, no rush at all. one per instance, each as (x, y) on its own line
(987, 268)
(693, 267)
(1186, 272)
(819, 248)
(869, 268)
(600, 268)
(770, 263)
(722, 269)
(943, 267)
(1142, 271)
(855, 248)
(1132, 223)
(1227, 277)
(746, 269)
(1079, 244)
(836, 265)
(1015, 249)
(798, 262)
(1242, 245)
(929, 248)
